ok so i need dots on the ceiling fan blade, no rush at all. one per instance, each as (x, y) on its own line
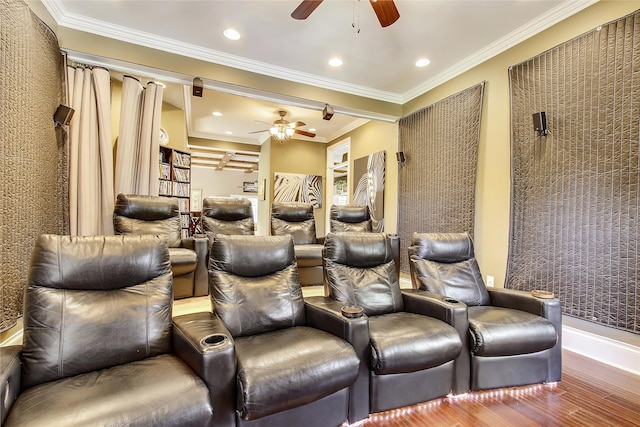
(258, 131)
(297, 124)
(386, 11)
(266, 123)
(305, 8)
(305, 133)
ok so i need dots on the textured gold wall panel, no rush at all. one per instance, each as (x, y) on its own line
(438, 181)
(575, 192)
(32, 156)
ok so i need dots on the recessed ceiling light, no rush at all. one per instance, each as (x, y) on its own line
(231, 34)
(312, 129)
(228, 132)
(335, 62)
(216, 113)
(423, 62)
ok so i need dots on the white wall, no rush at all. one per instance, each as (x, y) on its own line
(220, 183)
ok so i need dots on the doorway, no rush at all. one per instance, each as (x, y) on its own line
(338, 183)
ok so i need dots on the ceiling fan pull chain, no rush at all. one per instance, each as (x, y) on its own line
(356, 15)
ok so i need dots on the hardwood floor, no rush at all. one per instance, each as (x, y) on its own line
(590, 394)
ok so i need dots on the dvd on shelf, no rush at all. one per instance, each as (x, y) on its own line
(181, 159)
(165, 171)
(183, 205)
(181, 189)
(182, 175)
(164, 188)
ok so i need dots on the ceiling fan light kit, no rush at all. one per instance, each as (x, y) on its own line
(283, 130)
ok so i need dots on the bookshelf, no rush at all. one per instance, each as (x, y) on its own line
(175, 181)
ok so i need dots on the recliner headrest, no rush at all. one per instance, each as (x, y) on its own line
(350, 213)
(292, 211)
(443, 247)
(251, 256)
(97, 262)
(358, 249)
(227, 209)
(148, 208)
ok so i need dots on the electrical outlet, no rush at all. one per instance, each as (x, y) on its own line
(490, 281)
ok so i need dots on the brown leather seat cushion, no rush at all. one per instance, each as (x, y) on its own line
(287, 368)
(407, 342)
(159, 390)
(497, 331)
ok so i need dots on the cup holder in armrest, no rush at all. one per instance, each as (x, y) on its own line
(451, 301)
(214, 340)
(352, 311)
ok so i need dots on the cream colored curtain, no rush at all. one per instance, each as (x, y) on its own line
(91, 193)
(138, 147)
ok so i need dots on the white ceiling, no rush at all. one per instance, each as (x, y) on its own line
(378, 63)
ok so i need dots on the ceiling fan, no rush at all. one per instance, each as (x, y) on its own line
(385, 10)
(282, 129)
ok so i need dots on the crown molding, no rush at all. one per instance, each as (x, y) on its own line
(552, 17)
(78, 22)
(117, 32)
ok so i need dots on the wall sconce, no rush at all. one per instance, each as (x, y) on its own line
(327, 113)
(540, 123)
(401, 158)
(198, 87)
(63, 115)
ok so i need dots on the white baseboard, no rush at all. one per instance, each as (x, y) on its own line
(601, 348)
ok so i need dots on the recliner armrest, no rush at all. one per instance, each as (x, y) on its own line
(201, 278)
(205, 344)
(449, 311)
(326, 314)
(10, 383)
(524, 301)
(394, 239)
(438, 306)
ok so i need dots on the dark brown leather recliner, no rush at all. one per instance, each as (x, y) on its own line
(136, 214)
(294, 364)
(514, 338)
(348, 218)
(97, 344)
(414, 341)
(297, 220)
(227, 216)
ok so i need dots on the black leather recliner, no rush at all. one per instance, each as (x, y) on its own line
(293, 365)
(414, 341)
(348, 218)
(514, 338)
(297, 220)
(97, 343)
(227, 216)
(136, 214)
